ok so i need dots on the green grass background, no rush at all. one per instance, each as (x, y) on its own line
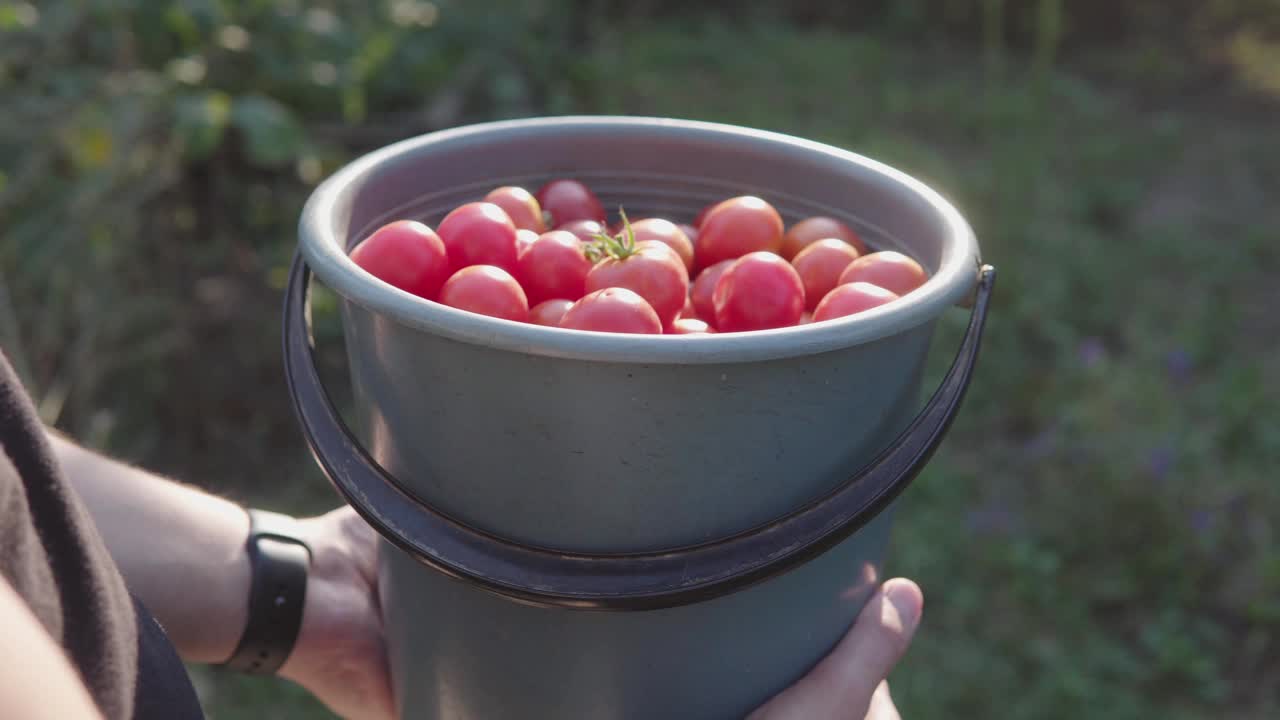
(1097, 537)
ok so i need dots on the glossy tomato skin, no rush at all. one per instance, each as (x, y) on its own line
(566, 200)
(654, 272)
(584, 230)
(810, 230)
(820, 265)
(689, 311)
(612, 310)
(690, 231)
(736, 227)
(549, 312)
(890, 270)
(667, 233)
(553, 266)
(702, 214)
(851, 299)
(479, 233)
(486, 290)
(759, 291)
(690, 326)
(524, 238)
(520, 205)
(704, 287)
(405, 254)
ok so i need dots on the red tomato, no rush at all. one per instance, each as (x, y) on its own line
(758, 291)
(667, 233)
(820, 265)
(553, 266)
(549, 312)
(806, 317)
(690, 326)
(702, 214)
(736, 227)
(703, 288)
(690, 231)
(612, 310)
(650, 269)
(890, 270)
(567, 200)
(405, 254)
(850, 299)
(689, 311)
(524, 238)
(487, 290)
(585, 230)
(479, 234)
(520, 206)
(811, 230)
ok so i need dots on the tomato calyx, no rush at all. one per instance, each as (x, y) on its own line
(620, 246)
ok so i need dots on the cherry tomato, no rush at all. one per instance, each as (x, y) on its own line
(566, 200)
(405, 254)
(487, 290)
(811, 230)
(585, 230)
(667, 233)
(703, 289)
(612, 310)
(650, 269)
(520, 206)
(690, 326)
(806, 317)
(549, 312)
(736, 227)
(524, 238)
(479, 234)
(702, 214)
(553, 266)
(689, 311)
(890, 270)
(758, 291)
(690, 231)
(851, 299)
(820, 265)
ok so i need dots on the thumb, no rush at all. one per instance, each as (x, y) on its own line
(841, 686)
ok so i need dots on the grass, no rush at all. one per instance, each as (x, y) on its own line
(1096, 538)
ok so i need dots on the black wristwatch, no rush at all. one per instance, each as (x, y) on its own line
(280, 561)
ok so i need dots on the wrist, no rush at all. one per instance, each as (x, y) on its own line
(279, 559)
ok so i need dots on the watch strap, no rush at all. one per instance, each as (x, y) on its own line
(280, 562)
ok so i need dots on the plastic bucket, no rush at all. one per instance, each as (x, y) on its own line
(723, 499)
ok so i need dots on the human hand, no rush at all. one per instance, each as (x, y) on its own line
(340, 655)
(850, 682)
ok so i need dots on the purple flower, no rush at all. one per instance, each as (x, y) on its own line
(1091, 352)
(1179, 365)
(1160, 461)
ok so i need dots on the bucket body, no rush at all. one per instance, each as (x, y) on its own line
(582, 442)
(461, 654)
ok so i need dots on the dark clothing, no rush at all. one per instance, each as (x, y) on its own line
(54, 558)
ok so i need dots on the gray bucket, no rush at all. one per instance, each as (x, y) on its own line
(610, 526)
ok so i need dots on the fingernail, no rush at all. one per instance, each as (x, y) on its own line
(906, 602)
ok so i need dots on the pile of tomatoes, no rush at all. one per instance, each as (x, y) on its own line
(551, 259)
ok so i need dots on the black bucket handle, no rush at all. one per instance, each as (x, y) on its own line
(638, 581)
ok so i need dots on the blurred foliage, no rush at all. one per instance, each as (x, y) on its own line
(1096, 538)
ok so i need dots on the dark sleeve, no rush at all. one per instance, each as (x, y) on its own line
(55, 559)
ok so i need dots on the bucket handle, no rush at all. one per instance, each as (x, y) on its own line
(638, 581)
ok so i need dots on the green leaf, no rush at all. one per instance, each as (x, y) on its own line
(273, 137)
(200, 122)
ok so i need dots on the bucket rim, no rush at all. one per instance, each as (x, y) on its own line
(325, 252)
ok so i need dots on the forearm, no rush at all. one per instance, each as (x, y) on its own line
(181, 550)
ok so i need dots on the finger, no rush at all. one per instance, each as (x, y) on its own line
(882, 707)
(841, 686)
